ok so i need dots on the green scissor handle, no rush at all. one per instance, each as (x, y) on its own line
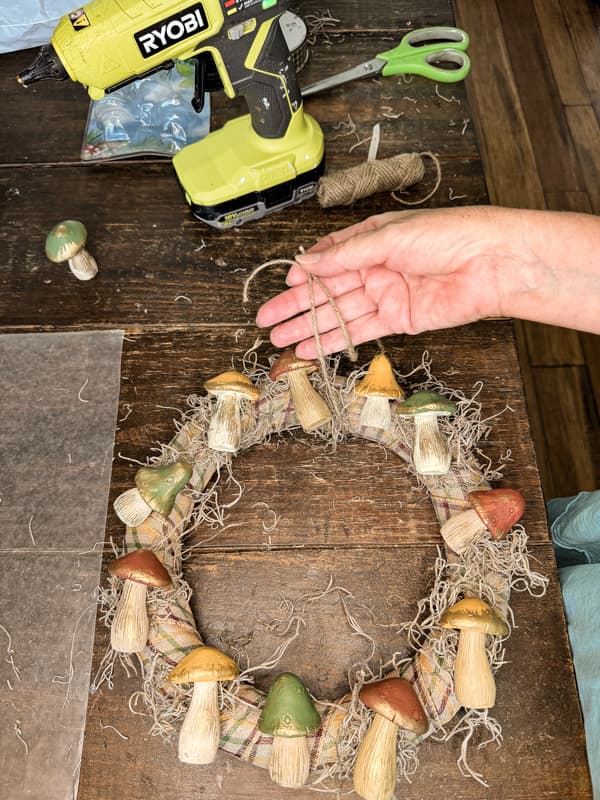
(424, 51)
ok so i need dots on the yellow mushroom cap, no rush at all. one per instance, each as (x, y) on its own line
(204, 664)
(379, 380)
(232, 382)
(474, 614)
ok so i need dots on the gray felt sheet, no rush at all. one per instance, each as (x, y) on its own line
(60, 395)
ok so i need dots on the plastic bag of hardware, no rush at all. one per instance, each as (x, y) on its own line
(151, 116)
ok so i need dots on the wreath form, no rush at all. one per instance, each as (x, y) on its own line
(488, 569)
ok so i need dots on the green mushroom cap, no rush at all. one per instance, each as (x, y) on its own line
(288, 710)
(159, 486)
(65, 240)
(423, 402)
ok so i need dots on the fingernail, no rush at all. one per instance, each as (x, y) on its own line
(308, 258)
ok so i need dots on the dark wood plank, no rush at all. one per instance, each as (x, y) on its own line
(569, 201)
(571, 428)
(322, 497)
(548, 345)
(585, 130)
(544, 117)
(579, 16)
(590, 345)
(153, 254)
(388, 583)
(501, 125)
(543, 455)
(561, 52)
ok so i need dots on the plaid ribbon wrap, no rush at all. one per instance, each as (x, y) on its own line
(173, 633)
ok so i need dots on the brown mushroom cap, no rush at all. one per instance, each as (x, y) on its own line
(379, 380)
(232, 381)
(204, 663)
(498, 509)
(141, 566)
(474, 614)
(396, 700)
(288, 361)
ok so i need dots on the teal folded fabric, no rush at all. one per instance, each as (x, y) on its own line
(581, 596)
(575, 528)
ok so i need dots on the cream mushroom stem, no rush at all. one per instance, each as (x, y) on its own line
(129, 629)
(376, 413)
(83, 265)
(474, 684)
(290, 761)
(311, 410)
(431, 455)
(225, 428)
(375, 766)
(201, 730)
(461, 530)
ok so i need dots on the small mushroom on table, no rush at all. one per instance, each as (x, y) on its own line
(65, 242)
(396, 707)
(289, 715)
(431, 453)
(311, 410)
(200, 733)
(156, 490)
(474, 684)
(378, 387)
(225, 427)
(138, 569)
(492, 510)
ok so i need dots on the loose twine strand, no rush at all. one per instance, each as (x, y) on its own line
(389, 174)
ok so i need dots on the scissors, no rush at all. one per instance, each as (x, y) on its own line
(438, 54)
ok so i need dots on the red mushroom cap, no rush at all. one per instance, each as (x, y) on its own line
(498, 509)
(288, 361)
(141, 566)
(396, 700)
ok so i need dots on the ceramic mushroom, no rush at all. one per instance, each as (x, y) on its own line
(378, 387)
(474, 684)
(311, 410)
(492, 510)
(156, 490)
(138, 569)
(396, 707)
(225, 428)
(200, 733)
(289, 715)
(65, 242)
(431, 453)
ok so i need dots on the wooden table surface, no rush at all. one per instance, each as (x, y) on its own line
(174, 285)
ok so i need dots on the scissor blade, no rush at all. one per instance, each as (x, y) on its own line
(372, 67)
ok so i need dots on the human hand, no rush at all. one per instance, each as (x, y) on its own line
(401, 272)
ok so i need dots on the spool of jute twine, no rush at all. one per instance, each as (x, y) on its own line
(385, 175)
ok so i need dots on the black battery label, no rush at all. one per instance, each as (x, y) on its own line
(78, 19)
(170, 31)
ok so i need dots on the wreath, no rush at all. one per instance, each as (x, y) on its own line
(454, 644)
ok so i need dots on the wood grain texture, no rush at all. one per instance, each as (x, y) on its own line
(579, 17)
(541, 756)
(590, 345)
(152, 255)
(546, 125)
(560, 49)
(548, 345)
(571, 427)
(585, 131)
(506, 148)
